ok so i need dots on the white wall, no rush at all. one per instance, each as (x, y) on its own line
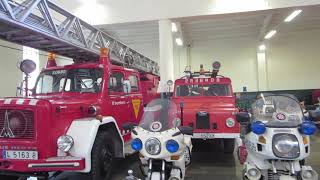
(293, 61)
(237, 56)
(10, 75)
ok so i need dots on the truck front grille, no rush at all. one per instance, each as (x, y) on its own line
(16, 124)
(202, 120)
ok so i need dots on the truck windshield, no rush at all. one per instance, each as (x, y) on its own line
(73, 80)
(203, 90)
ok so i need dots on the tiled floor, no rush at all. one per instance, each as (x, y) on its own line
(208, 163)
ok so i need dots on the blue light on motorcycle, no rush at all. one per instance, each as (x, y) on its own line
(136, 144)
(258, 127)
(172, 146)
(308, 128)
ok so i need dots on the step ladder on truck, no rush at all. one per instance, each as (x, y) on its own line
(72, 119)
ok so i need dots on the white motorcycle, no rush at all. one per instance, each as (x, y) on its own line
(164, 146)
(277, 140)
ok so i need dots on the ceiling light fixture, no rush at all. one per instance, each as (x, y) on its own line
(174, 27)
(262, 47)
(179, 41)
(293, 15)
(270, 34)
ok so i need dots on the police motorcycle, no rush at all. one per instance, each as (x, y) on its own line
(276, 136)
(164, 145)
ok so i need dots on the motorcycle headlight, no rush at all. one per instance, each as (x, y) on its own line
(286, 146)
(230, 122)
(136, 144)
(65, 143)
(153, 146)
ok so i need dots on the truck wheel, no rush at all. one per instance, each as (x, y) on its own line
(9, 177)
(228, 145)
(102, 156)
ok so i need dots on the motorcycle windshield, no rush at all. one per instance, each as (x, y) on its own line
(277, 111)
(160, 115)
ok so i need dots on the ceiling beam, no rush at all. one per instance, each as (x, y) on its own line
(265, 27)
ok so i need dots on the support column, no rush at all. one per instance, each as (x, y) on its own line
(262, 71)
(166, 54)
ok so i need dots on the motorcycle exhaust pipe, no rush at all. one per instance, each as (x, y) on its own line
(252, 173)
(308, 173)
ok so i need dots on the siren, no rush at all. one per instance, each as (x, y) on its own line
(201, 69)
(215, 69)
(51, 60)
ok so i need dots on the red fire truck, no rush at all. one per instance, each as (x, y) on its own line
(72, 119)
(208, 106)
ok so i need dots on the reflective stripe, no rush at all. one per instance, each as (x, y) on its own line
(7, 101)
(20, 101)
(33, 102)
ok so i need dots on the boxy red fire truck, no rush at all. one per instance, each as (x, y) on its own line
(208, 105)
(72, 119)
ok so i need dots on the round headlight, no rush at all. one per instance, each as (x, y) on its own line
(258, 127)
(172, 146)
(153, 146)
(65, 143)
(230, 122)
(308, 128)
(136, 144)
(286, 146)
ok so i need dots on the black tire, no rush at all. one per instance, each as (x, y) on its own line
(5, 177)
(228, 145)
(102, 157)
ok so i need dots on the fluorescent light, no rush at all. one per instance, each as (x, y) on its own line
(262, 47)
(293, 15)
(174, 27)
(270, 34)
(179, 41)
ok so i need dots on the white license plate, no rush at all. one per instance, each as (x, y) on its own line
(27, 155)
(207, 136)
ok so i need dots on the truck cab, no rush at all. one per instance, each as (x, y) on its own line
(208, 106)
(72, 121)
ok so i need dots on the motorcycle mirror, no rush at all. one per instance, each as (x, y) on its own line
(128, 126)
(243, 117)
(315, 114)
(186, 130)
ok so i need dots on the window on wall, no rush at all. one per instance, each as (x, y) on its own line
(32, 54)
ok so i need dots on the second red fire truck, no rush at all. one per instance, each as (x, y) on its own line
(209, 106)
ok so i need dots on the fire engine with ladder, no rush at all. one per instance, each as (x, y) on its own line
(208, 105)
(72, 119)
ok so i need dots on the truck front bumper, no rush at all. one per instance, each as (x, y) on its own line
(67, 163)
(216, 135)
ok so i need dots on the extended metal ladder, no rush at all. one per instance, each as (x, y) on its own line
(45, 26)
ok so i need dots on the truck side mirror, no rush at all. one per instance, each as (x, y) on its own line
(186, 130)
(243, 117)
(128, 126)
(126, 86)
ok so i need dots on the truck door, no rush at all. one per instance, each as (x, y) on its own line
(135, 97)
(119, 100)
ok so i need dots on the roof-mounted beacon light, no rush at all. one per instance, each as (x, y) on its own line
(104, 56)
(215, 69)
(51, 60)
